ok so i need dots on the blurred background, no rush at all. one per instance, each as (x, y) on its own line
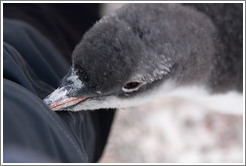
(173, 130)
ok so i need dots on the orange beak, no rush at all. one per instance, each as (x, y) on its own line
(64, 103)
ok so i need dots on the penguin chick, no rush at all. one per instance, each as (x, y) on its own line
(146, 51)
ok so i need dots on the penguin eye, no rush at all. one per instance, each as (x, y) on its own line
(131, 86)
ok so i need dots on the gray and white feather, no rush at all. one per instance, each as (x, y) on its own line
(146, 51)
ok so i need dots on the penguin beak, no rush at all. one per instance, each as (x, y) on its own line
(64, 103)
(66, 95)
(59, 100)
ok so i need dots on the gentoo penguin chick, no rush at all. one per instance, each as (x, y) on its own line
(146, 51)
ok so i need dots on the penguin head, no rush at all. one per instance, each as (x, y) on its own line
(123, 60)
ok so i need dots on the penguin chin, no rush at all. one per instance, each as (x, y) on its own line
(230, 102)
(106, 102)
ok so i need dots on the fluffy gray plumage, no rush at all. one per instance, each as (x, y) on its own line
(118, 45)
(192, 44)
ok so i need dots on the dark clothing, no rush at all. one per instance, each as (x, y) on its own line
(63, 24)
(33, 65)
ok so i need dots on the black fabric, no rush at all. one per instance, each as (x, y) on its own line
(29, 125)
(63, 24)
(42, 58)
(32, 68)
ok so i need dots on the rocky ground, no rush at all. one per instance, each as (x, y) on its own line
(175, 130)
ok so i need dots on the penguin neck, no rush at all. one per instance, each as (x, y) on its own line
(230, 102)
